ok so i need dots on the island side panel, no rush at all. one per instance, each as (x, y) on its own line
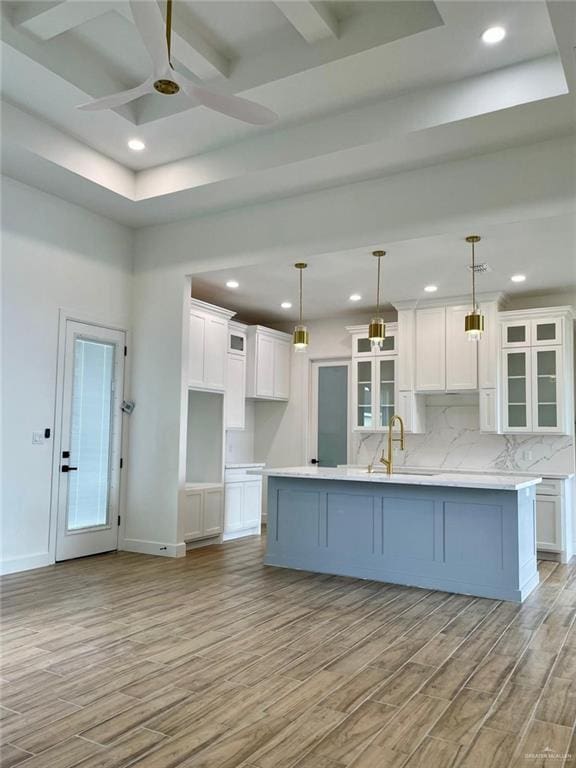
(471, 541)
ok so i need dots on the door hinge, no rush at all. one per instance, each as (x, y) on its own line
(125, 351)
(118, 519)
(121, 463)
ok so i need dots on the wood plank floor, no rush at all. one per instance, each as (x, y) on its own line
(216, 661)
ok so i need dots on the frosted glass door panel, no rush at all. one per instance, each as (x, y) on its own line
(517, 383)
(91, 433)
(546, 388)
(365, 416)
(332, 415)
(386, 392)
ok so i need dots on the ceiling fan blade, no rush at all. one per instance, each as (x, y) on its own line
(150, 24)
(234, 106)
(117, 99)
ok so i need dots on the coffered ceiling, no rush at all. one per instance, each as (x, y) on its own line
(362, 89)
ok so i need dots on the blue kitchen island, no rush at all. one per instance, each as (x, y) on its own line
(472, 534)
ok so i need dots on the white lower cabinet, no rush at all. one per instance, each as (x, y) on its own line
(242, 505)
(202, 511)
(553, 524)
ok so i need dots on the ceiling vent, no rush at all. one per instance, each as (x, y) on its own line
(479, 268)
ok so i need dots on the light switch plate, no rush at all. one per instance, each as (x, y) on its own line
(37, 438)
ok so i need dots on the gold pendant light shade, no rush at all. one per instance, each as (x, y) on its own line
(377, 327)
(301, 336)
(474, 320)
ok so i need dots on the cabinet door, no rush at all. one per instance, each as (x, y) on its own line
(196, 349)
(215, 347)
(192, 522)
(516, 333)
(386, 390)
(431, 349)
(233, 502)
(547, 331)
(548, 523)
(236, 392)
(213, 512)
(461, 353)
(264, 366)
(517, 416)
(252, 502)
(281, 370)
(488, 411)
(547, 389)
(365, 412)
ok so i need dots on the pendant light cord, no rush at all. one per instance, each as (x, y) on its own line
(300, 296)
(378, 287)
(473, 279)
(169, 25)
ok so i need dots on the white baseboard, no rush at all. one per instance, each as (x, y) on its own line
(153, 547)
(26, 563)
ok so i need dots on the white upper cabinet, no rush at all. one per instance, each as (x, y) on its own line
(537, 365)
(208, 342)
(236, 377)
(268, 364)
(461, 354)
(431, 349)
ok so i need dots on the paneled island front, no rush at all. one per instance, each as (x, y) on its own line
(472, 534)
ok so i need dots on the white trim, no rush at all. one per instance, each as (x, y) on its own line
(312, 420)
(252, 330)
(447, 301)
(227, 314)
(153, 547)
(25, 563)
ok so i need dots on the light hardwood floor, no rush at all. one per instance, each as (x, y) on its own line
(215, 661)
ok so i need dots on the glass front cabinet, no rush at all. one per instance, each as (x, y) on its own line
(374, 381)
(535, 388)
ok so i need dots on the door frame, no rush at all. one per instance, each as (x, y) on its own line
(64, 315)
(312, 431)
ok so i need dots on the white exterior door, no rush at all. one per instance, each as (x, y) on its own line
(91, 440)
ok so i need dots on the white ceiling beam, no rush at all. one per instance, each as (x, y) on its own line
(190, 47)
(312, 20)
(46, 20)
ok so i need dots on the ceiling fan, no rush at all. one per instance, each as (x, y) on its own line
(165, 79)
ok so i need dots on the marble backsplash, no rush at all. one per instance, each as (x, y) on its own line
(453, 440)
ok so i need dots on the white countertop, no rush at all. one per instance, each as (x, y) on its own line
(245, 465)
(464, 471)
(357, 474)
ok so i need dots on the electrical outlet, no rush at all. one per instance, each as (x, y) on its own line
(527, 455)
(37, 438)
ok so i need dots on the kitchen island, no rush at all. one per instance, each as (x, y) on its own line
(472, 534)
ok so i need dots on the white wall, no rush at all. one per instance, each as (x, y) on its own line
(54, 255)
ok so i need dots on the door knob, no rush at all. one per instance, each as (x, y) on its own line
(66, 468)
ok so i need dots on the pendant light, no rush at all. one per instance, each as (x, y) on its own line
(474, 321)
(377, 327)
(300, 337)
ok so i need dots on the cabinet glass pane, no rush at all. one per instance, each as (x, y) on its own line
(516, 390)
(517, 364)
(546, 388)
(387, 370)
(386, 376)
(516, 334)
(386, 414)
(387, 394)
(547, 416)
(237, 343)
(365, 417)
(546, 331)
(388, 344)
(363, 345)
(516, 415)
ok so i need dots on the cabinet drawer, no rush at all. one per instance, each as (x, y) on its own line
(549, 487)
(239, 475)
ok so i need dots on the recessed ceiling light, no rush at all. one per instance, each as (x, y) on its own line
(431, 288)
(286, 305)
(232, 284)
(136, 145)
(355, 297)
(518, 278)
(493, 35)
